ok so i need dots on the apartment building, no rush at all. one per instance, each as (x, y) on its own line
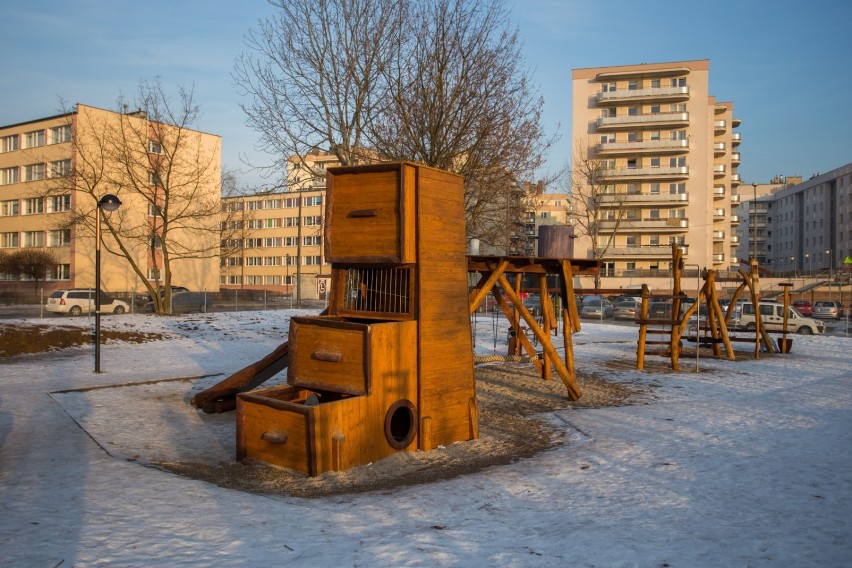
(753, 213)
(275, 240)
(803, 227)
(538, 211)
(666, 157)
(54, 169)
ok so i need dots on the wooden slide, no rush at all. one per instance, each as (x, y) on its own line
(222, 397)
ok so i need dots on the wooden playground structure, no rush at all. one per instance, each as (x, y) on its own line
(388, 366)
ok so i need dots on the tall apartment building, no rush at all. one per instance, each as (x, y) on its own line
(667, 156)
(275, 240)
(544, 209)
(43, 164)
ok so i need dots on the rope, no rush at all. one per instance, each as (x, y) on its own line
(477, 359)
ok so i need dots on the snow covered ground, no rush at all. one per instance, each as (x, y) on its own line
(744, 463)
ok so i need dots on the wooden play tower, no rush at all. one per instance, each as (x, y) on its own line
(389, 367)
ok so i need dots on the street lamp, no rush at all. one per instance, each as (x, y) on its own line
(289, 284)
(754, 223)
(793, 262)
(830, 271)
(808, 258)
(108, 203)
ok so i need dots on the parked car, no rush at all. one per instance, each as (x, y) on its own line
(596, 307)
(772, 315)
(827, 310)
(143, 299)
(626, 310)
(186, 302)
(78, 301)
(804, 307)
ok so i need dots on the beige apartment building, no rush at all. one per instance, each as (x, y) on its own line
(52, 172)
(667, 154)
(275, 240)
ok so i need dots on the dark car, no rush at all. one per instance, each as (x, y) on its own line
(186, 302)
(803, 307)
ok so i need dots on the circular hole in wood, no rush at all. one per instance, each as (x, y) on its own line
(400, 422)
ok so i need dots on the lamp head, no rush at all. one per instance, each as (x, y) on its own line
(109, 203)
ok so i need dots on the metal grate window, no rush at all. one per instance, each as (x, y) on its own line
(378, 290)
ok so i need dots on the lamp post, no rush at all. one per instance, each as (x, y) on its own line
(108, 203)
(808, 258)
(754, 223)
(793, 262)
(830, 271)
(289, 284)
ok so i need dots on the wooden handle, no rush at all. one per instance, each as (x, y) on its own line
(363, 213)
(279, 438)
(329, 356)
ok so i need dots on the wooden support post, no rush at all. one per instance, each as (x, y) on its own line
(520, 338)
(547, 346)
(486, 283)
(546, 320)
(643, 328)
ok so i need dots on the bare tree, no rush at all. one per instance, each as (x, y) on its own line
(314, 73)
(440, 82)
(153, 159)
(462, 101)
(597, 206)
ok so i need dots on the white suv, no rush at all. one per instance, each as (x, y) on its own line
(82, 300)
(772, 314)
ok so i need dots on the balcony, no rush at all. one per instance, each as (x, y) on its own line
(719, 170)
(735, 240)
(719, 148)
(734, 261)
(736, 138)
(650, 173)
(735, 157)
(735, 219)
(670, 224)
(669, 119)
(718, 257)
(735, 199)
(718, 214)
(735, 179)
(718, 236)
(648, 251)
(720, 126)
(620, 199)
(646, 146)
(670, 94)
(736, 122)
(719, 192)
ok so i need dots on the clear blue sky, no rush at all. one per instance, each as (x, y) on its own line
(785, 64)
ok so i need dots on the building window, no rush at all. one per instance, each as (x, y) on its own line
(655, 162)
(33, 206)
(154, 210)
(633, 111)
(313, 241)
(154, 274)
(254, 261)
(632, 85)
(678, 135)
(155, 179)
(254, 243)
(60, 134)
(9, 240)
(60, 168)
(272, 204)
(272, 223)
(60, 238)
(10, 143)
(311, 260)
(154, 147)
(313, 201)
(289, 260)
(34, 172)
(655, 83)
(655, 109)
(678, 82)
(272, 261)
(155, 242)
(271, 242)
(10, 208)
(59, 203)
(313, 221)
(677, 162)
(631, 164)
(33, 239)
(9, 175)
(272, 280)
(291, 202)
(61, 272)
(654, 188)
(607, 87)
(34, 139)
(654, 135)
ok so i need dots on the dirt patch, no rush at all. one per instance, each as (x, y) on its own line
(18, 340)
(509, 397)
